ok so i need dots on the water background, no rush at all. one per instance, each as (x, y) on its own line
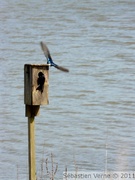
(89, 123)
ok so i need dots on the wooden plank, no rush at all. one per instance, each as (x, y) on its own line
(39, 98)
(27, 84)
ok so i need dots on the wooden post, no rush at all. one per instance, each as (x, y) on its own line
(31, 147)
(35, 94)
(31, 112)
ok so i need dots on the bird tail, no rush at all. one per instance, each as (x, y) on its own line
(40, 88)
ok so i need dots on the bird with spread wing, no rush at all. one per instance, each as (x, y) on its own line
(49, 58)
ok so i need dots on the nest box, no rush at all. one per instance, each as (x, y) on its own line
(36, 82)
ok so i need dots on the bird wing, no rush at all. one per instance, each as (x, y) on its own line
(46, 52)
(62, 68)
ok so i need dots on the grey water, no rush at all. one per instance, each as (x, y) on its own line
(89, 123)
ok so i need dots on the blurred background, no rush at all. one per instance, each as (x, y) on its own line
(90, 120)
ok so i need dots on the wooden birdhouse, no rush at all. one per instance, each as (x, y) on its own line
(36, 82)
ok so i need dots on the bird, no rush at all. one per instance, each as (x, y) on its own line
(49, 58)
(40, 81)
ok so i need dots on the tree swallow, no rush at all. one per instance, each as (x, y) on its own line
(40, 81)
(49, 59)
